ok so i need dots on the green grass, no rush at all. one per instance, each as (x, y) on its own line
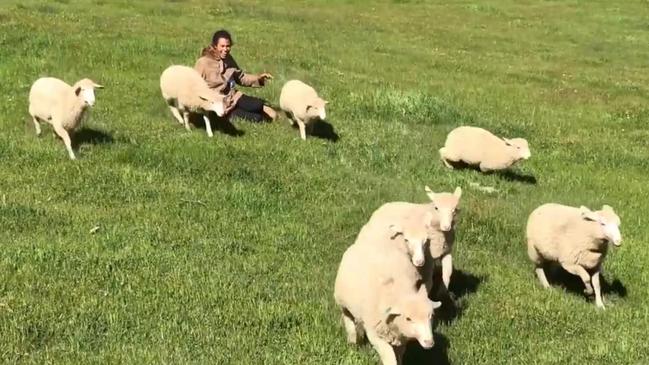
(225, 250)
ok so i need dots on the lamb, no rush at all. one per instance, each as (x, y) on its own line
(63, 106)
(379, 293)
(576, 238)
(436, 223)
(301, 104)
(477, 146)
(185, 92)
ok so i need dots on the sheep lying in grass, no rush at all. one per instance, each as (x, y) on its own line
(576, 238)
(479, 147)
(63, 106)
(302, 104)
(436, 221)
(185, 92)
(379, 293)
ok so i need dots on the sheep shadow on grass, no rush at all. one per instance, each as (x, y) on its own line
(507, 174)
(219, 124)
(319, 129)
(453, 301)
(324, 130)
(438, 354)
(557, 276)
(90, 136)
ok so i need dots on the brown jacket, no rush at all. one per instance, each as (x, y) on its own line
(217, 73)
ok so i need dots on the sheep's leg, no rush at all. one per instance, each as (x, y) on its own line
(176, 114)
(37, 126)
(598, 290)
(485, 168)
(399, 351)
(447, 269)
(208, 126)
(384, 349)
(350, 327)
(302, 127)
(442, 155)
(582, 273)
(186, 121)
(61, 132)
(541, 275)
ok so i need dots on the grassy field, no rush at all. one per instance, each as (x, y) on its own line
(224, 250)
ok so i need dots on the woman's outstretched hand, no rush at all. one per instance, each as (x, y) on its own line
(263, 77)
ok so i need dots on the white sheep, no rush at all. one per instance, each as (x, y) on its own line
(479, 147)
(63, 106)
(379, 293)
(185, 92)
(302, 104)
(576, 238)
(432, 224)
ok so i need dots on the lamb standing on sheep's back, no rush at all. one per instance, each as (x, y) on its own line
(63, 106)
(576, 238)
(479, 147)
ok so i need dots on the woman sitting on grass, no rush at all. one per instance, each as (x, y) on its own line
(221, 72)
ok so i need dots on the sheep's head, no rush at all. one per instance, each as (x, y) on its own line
(85, 89)
(213, 101)
(608, 223)
(415, 235)
(316, 109)
(412, 315)
(519, 147)
(446, 207)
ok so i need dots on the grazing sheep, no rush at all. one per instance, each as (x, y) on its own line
(379, 293)
(438, 218)
(302, 104)
(477, 146)
(185, 91)
(576, 238)
(63, 106)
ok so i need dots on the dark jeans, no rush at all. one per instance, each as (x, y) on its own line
(250, 108)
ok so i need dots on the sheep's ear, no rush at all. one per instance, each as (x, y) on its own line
(325, 102)
(607, 208)
(435, 305)
(77, 91)
(458, 192)
(430, 193)
(97, 86)
(587, 214)
(391, 313)
(396, 230)
(507, 141)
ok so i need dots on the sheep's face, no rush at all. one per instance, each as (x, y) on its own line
(86, 90)
(412, 315)
(608, 223)
(316, 109)
(519, 148)
(415, 235)
(213, 102)
(446, 207)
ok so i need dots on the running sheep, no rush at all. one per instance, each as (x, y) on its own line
(63, 106)
(576, 238)
(185, 92)
(429, 225)
(479, 147)
(302, 105)
(379, 293)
